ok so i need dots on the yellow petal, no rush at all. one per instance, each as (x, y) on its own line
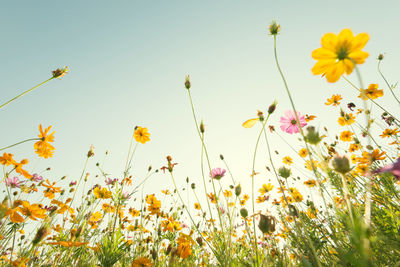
(360, 41)
(359, 56)
(323, 53)
(345, 35)
(329, 41)
(250, 123)
(348, 66)
(322, 66)
(334, 73)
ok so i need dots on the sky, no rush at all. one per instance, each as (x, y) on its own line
(128, 61)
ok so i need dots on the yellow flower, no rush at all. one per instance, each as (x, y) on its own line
(309, 166)
(141, 135)
(346, 136)
(334, 100)
(197, 206)
(287, 160)
(354, 147)
(310, 183)
(372, 92)
(43, 147)
(347, 119)
(266, 188)
(142, 262)
(389, 132)
(339, 54)
(303, 152)
(102, 193)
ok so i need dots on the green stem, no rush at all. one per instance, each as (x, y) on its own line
(31, 139)
(30, 90)
(387, 83)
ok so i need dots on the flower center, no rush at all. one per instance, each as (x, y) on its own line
(342, 51)
(293, 122)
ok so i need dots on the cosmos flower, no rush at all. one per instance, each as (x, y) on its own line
(141, 135)
(289, 123)
(339, 54)
(217, 173)
(13, 182)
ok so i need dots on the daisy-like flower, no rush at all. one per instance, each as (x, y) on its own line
(289, 123)
(334, 100)
(217, 173)
(12, 182)
(36, 177)
(372, 92)
(339, 54)
(42, 147)
(141, 135)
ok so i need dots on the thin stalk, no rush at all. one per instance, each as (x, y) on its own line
(27, 91)
(387, 83)
(27, 140)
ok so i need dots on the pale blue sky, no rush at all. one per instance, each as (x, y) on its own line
(128, 60)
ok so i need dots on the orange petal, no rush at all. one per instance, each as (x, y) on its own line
(250, 123)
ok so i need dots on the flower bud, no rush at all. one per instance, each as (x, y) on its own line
(341, 164)
(293, 211)
(380, 57)
(267, 223)
(244, 213)
(60, 72)
(221, 157)
(274, 28)
(187, 82)
(201, 127)
(272, 108)
(40, 235)
(193, 185)
(284, 172)
(238, 190)
(312, 136)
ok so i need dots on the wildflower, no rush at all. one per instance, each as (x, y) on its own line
(346, 119)
(141, 135)
(274, 28)
(346, 136)
(170, 225)
(297, 197)
(95, 217)
(110, 181)
(12, 182)
(309, 117)
(392, 168)
(375, 155)
(102, 193)
(372, 92)
(217, 173)
(197, 206)
(310, 183)
(154, 204)
(266, 188)
(166, 192)
(15, 217)
(262, 199)
(42, 147)
(303, 152)
(227, 193)
(334, 100)
(289, 123)
(309, 165)
(339, 54)
(68, 244)
(7, 159)
(354, 147)
(32, 211)
(60, 72)
(133, 212)
(313, 136)
(287, 160)
(184, 246)
(18, 168)
(212, 198)
(389, 133)
(37, 178)
(170, 166)
(142, 262)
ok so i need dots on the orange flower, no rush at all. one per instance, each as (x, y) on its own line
(371, 93)
(347, 119)
(184, 246)
(32, 211)
(102, 193)
(7, 159)
(18, 168)
(142, 262)
(334, 100)
(68, 244)
(303, 152)
(51, 189)
(389, 132)
(42, 147)
(346, 136)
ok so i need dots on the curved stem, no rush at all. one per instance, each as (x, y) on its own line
(31, 139)
(387, 83)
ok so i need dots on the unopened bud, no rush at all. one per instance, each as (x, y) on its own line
(341, 164)
(272, 108)
(244, 213)
(201, 127)
(284, 172)
(187, 82)
(274, 28)
(266, 224)
(238, 190)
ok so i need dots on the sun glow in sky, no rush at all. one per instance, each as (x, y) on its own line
(128, 61)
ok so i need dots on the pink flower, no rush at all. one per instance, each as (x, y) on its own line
(217, 173)
(289, 123)
(13, 182)
(392, 168)
(36, 177)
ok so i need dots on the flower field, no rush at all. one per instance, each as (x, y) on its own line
(337, 203)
